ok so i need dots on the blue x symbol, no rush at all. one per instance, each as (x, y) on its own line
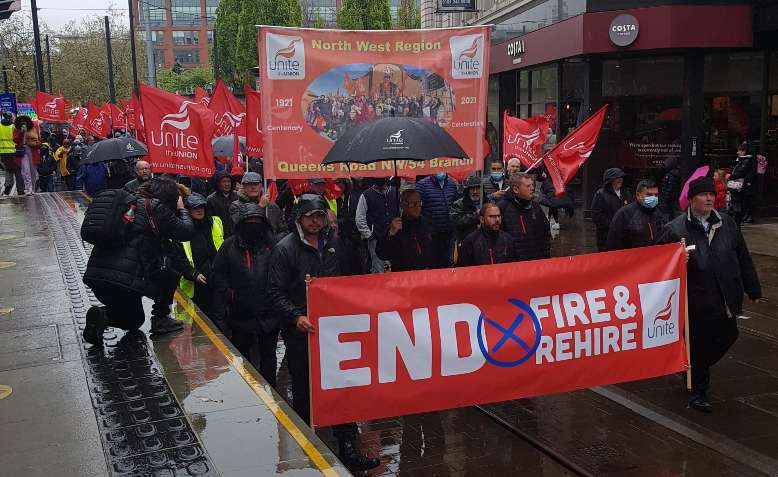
(508, 333)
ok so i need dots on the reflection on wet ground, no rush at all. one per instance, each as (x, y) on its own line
(185, 405)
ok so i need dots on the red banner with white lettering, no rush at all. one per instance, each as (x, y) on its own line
(228, 111)
(253, 123)
(79, 120)
(118, 118)
(317, 84)
(201, 96)
(564, 159)
(51, 108)
(524, 138)
(98, 121)
(179, 133)
(412, 342)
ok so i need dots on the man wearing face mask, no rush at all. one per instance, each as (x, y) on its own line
(494, 185)
(376, 208)
(606, 202)
(640, 223)
(438, 193)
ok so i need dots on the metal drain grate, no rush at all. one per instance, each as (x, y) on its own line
(143, 428)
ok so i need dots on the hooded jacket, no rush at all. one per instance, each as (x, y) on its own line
(745, 168)
(218, 204)
(526, 223)
(464, 217)
(275, 216)
(605, 204)
(720, 268)
(635, 226)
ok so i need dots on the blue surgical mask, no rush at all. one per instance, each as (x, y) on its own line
(651, 201)
(496, 176)
(440, 176)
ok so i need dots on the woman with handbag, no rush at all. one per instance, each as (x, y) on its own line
(741, 184)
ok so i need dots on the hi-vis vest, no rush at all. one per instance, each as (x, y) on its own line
(217, 232)
(7, 145)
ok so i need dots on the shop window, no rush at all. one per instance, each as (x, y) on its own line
(538, 96)
(534, 16)
(642, 76)
(733, 72)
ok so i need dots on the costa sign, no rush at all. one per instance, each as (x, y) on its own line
(485, 334)
(624, 30)
(515, 50)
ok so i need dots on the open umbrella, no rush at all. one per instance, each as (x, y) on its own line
(393, 138)
(115, 149)
(222, 146)
(702, 171)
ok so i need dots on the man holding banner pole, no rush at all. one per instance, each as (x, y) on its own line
(719, 272)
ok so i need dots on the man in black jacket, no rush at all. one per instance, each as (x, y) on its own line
(524, 220)
(252, 192)
(142, 174)
(408, 243)
(312, 250)
(640, 223)
(240, 276)
(488, 244)
(719, 271)
(606, 202)
(120, 277)
(219, 201)
(464, 211)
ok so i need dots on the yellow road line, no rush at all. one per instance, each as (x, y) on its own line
(266, 397)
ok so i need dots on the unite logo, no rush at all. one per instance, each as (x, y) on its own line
(396, 141)
(51, 107)
(228, 121)
(285, 57)
(178, 142)
(660, 304)
(467, 56)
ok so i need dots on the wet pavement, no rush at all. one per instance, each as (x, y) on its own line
(188, 404)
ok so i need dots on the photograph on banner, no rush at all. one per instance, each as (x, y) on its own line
(477, 335)
(318, 84)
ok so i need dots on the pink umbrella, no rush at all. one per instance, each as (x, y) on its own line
(700, 172)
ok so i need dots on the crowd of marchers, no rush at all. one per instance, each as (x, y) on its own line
(244, 259)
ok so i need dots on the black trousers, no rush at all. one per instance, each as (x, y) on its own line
(267, 345)
(166, 288)
(123, 307)
(443, 249)
(297, 357)
(710, 341)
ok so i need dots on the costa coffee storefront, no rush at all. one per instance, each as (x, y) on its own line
(684, 83)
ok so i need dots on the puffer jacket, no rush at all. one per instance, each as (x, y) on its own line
(437, 201)
(526, 223)
(218, 204)
(240, 275)
(605, 204)
(489, 187)
(485, 248)
(408, 249)
(291, 260)
(275, 216)
(719, 270)
(132, 265)
(464, 217)
(635, 226)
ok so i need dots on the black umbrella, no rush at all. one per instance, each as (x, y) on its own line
(115, 149)
(392, 139)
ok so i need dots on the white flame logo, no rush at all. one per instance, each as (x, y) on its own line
(51, 106)
(580, 146)
(233, 119)
(396, 137)
(179, 120)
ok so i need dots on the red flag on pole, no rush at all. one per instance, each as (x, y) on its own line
(564, 160)
(98, 121)
(524, 138)
(51, 108)
(135, 119)
(179, 133)
(201, 96)
(253, 123)
(118, 118)
(228, 111)
(80, 118)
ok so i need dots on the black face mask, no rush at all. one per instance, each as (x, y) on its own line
(252, 233)
(380, 182)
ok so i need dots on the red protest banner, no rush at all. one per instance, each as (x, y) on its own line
(412, 342)
(253, 123)
(201, 96)
(179, 133)
(118, 118)
(316, 84)
(228, 111)
(51, 108)
(79, 120)
(98, 121)
(524, 138)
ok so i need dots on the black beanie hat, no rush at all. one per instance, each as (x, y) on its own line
(700, 185)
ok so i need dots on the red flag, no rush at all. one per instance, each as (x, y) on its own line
(179, 133)
(118, 118)
(228, 111)
(272, 189)
(51, 108)
(253, 123)
(524, 138)
(201, 96)
(98, 121)
(564, 160)
(80, 118)
(135, 114)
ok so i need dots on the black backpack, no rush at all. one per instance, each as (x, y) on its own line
(47, 165)
(108, 218)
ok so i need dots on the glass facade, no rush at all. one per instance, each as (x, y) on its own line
(186, 37)
(157, 36)
(159, 57)
(187, 57)
(534, 16)
(537, 95)
(325, 9)
(185, 12)
(152, 12)
(209, 35)
(210, 10)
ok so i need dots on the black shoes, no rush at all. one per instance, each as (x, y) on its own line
(95, 325)
(164, 325)
(354, 459)
(699, 402)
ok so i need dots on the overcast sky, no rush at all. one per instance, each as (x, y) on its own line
(57, 13)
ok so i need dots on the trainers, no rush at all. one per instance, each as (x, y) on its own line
(95, 325)
(165, 325)
(699, 402)
(354, 459)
